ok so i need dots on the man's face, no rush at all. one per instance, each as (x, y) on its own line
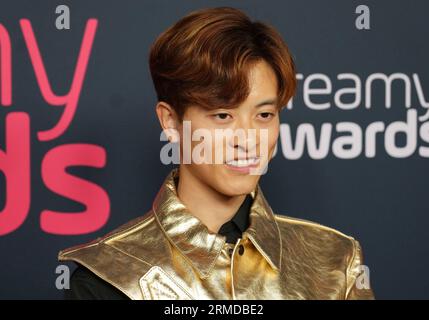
(235, 162)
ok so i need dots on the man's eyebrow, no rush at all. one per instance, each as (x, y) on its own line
(268, 101)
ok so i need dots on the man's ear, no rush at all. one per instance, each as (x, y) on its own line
(168, 120)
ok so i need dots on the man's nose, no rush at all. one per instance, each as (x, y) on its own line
(244, 138)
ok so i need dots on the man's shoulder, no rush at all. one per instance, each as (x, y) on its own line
(133, 249)
(309, 234)
(126, 232)
(285, 221)
(135, 244)
(326, 251)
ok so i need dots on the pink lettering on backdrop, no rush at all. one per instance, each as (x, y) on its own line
(59, 181)
(5, 68)
(15, 160)
(15, 165)
(69, 100)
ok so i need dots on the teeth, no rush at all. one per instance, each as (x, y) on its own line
(243, 162)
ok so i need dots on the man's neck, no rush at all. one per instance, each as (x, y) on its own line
(208, 205)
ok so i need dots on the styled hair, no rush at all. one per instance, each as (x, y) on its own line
(205, 57)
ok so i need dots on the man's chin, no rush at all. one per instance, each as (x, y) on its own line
(236, 186)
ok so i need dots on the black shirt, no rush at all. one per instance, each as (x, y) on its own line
(85, 285)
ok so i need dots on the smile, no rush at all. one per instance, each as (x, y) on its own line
(243, 162)
(243, 165)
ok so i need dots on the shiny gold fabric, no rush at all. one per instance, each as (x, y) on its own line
(170, 254)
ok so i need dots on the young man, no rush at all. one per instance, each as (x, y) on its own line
(211, 234)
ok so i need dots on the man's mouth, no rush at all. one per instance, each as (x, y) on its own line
(243, 163)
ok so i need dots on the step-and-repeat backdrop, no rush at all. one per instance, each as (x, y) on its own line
(80, 141)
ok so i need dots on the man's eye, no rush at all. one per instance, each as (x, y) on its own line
(266, 115)
(221, 116)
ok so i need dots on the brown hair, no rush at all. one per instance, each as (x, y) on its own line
(204, 59)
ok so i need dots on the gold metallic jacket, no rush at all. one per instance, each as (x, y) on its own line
(170, 254)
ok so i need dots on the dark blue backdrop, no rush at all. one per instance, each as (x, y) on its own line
(381, 200)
